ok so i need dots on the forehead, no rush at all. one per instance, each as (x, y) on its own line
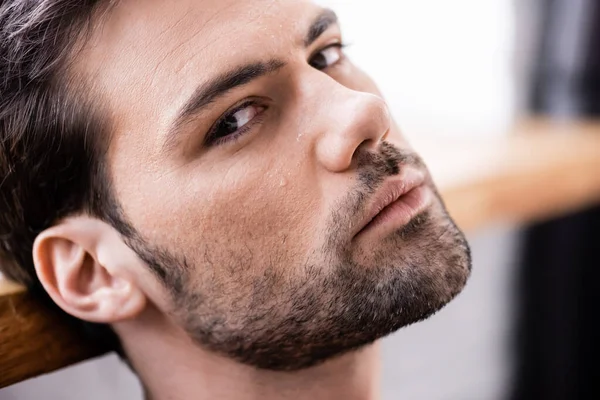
(145, 57)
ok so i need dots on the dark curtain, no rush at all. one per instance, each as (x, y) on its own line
(559, 291)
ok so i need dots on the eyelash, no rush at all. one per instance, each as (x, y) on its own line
(211, 140)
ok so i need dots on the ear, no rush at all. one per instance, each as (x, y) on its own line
(88, 270)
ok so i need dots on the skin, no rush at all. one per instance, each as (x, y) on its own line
(268, 293)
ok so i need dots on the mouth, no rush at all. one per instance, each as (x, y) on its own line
(397, 202)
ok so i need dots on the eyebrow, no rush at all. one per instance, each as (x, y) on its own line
(324, 20)
(210, 91)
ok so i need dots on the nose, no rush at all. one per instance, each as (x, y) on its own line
(354, 120)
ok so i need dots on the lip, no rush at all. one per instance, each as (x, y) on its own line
(396, 203)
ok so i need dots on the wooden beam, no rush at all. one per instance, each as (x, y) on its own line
(36, 339)
(541, 169)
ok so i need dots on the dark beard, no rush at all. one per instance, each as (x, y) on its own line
(331, 305)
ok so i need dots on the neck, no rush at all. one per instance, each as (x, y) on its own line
(171, 366)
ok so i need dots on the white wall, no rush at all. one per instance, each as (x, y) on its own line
(441, 64)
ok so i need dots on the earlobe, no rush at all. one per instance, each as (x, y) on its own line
(66, 258)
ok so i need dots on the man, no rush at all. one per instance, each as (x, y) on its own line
(220, 185)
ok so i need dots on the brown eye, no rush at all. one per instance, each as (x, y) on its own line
(327, 57)
(236, 120)
(235, 123)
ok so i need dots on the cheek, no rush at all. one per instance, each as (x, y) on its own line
(230, 217)
(267, 211)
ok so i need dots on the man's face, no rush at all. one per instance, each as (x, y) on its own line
(250, 156)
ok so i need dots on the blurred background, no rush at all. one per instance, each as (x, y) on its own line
(463, 70)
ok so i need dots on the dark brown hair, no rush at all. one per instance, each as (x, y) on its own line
(52, 137)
